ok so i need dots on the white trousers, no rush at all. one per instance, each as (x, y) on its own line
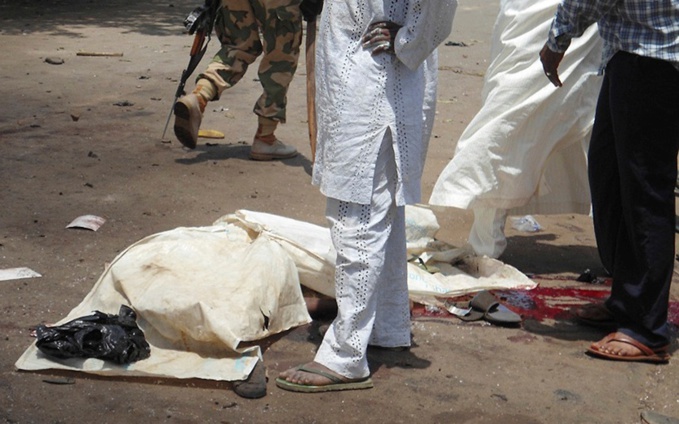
(487, 235)
(370, 274)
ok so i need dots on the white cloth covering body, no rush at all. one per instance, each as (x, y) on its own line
(222, 279)
(525, 150)
(374, 115)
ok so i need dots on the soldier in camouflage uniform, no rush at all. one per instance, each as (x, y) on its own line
(238, 26)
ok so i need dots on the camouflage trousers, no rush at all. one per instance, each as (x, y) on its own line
(248, 28)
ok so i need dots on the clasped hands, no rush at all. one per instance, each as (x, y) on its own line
(380, 37)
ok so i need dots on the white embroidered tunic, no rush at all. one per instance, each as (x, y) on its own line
(359, 96)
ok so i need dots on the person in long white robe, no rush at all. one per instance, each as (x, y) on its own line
(375, 102)
(525, 150)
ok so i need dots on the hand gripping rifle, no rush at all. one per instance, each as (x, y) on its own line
(199, 22)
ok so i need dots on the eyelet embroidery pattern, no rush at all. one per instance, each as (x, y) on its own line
(358, 271)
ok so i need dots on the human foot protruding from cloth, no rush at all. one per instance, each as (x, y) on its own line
(254, 386)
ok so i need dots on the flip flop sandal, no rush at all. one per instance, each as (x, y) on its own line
(471, 314)
(486, 306)
(336, 385)
(646, 354)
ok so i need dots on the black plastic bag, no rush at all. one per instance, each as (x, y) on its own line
(115, 338)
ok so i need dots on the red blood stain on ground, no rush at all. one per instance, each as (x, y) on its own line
(544, 303)
(549, 302)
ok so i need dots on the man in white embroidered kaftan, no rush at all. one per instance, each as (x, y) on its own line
(376, 82)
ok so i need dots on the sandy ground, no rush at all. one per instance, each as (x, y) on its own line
(67, 149)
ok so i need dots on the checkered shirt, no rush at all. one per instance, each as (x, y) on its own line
(643, 27)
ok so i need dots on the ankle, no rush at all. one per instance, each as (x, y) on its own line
(265, 130)
(268, 139)
(202, 103)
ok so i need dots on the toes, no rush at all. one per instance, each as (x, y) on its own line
(619, 349)
(289, 375)
(296, 376)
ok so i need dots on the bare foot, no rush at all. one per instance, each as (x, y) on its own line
(621, 347)
(617, 348)
(298, 376)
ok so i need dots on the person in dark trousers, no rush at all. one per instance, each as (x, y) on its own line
(632, 164)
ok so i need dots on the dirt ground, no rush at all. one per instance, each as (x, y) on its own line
(85, 137)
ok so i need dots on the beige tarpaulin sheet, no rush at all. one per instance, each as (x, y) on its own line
(199, 292)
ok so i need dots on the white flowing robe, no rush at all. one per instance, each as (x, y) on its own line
(527, 145)
(359, 96)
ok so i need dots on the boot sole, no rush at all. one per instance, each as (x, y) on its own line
(182, 125)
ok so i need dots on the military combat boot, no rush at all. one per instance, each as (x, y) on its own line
(188, 112)
(262, 150)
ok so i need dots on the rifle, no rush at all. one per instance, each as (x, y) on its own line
(199, 22)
